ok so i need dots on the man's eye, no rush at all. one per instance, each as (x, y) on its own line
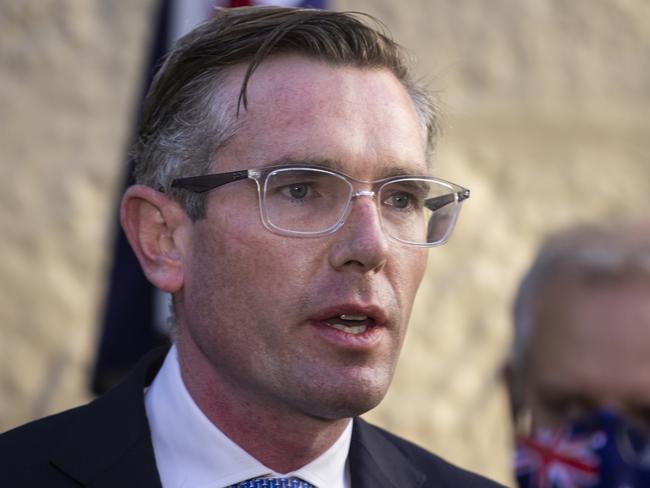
(641, 415)
(400, 200)
(297, 191)
(567, 409)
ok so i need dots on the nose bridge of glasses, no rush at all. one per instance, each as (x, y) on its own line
(362, 193)
(373, 209)
(355, 195)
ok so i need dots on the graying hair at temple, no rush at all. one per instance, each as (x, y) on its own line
(185, 122)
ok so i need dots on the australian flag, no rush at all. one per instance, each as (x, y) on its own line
(554, 460)
(602, 450)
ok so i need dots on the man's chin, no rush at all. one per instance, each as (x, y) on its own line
(342, 411)
(346, 402)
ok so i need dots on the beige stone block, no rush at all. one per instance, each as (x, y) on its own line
(69, 74)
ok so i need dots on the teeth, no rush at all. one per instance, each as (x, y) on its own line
(353, 317)
(355, 329)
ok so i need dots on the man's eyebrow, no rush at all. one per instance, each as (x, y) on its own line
(292, 161)
(398, 170)
(418, 186)
(387, 170)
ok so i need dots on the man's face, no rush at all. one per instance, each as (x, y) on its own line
(258, 308)
(591, 350)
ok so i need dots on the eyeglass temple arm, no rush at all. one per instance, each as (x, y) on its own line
(437, 203)
(200, 184)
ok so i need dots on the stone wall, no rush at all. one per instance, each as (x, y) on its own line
(546, 103)
(69, 73)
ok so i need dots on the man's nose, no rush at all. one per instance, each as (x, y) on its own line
(361, 242)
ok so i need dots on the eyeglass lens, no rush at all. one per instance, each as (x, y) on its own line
(313, 201)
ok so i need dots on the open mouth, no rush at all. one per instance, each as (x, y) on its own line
(351, 324)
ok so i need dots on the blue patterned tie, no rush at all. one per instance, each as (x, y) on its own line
(273, 483)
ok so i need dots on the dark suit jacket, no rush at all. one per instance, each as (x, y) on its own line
(107, 444)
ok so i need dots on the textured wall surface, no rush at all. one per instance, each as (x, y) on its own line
(69, 70)
(546, 103)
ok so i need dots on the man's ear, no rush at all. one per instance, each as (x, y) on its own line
(155, 226)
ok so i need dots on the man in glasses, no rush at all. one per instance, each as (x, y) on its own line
(580, 368)
(285, 199)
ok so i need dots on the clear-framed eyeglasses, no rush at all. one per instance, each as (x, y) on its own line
(312, 201)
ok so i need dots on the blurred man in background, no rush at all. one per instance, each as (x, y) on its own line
(580, 367)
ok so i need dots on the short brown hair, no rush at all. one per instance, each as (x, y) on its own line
(183, 123)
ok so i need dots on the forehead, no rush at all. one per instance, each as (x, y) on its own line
(594, 339)
(362, 120)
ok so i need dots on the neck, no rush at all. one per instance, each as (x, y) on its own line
(281, 438)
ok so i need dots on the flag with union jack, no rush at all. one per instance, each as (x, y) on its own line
(553, 459)
(601, 450)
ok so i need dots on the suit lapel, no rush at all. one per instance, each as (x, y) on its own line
(110, 444)
(376, 463)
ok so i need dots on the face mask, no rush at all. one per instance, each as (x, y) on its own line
(603, 450)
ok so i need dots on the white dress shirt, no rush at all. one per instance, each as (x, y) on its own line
(192, 452)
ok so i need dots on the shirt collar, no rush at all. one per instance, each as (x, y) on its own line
(191, 451)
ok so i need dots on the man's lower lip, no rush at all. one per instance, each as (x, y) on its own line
(364, 340)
